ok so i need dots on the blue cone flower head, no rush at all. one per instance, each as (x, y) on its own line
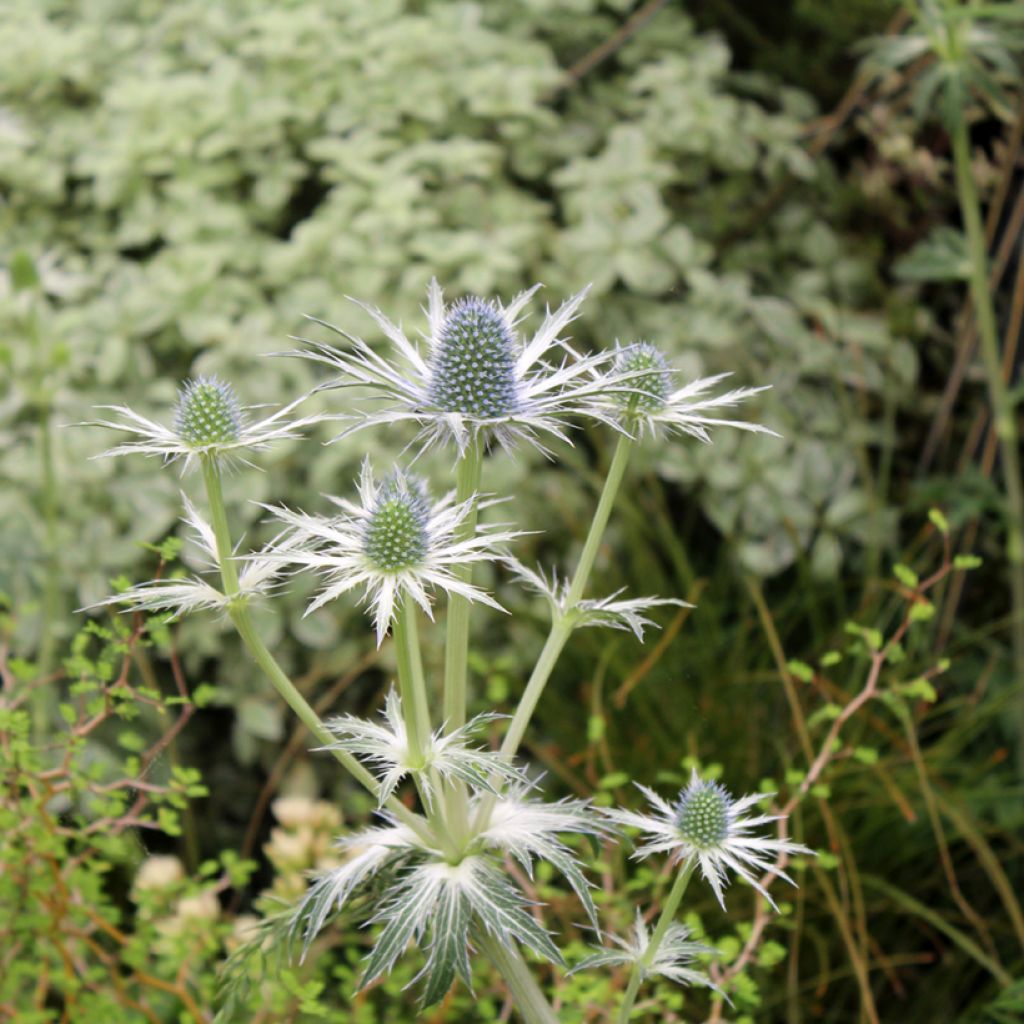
(208, 420)
(477, 377)
(707, 825)
(396, 543)
(647, 402)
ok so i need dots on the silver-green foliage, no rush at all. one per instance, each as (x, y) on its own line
(188, 177)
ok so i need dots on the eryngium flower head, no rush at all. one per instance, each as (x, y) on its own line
(208, 420)
(672, 958)
(707, 824)
(607, 611)
(646, 402)
(477, 376)
(395, 544)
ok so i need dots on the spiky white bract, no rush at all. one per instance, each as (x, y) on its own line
(208, 420)
(529, 829)
(260, 574)
(707, 824)
(445, 756)
(649, 404)
(427, 900)
(477, 377)
(607, 611)
(395, 543)
(365, 854)
(670, 960)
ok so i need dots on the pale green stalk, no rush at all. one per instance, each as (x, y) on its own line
(668, 915)
(467, 484)
(242, 620)
(1003, 409)
(410, 677)
(526, 994)
(562, 625)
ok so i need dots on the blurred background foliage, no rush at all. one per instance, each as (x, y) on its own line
(180, 183)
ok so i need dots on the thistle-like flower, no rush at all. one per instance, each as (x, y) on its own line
(672, 958)
(208, 420)
(260, 573)
(605, 611)
(648, 402)
(707, 824)
(477, 378)
(439, 904)
(445, 755)
(395, 544)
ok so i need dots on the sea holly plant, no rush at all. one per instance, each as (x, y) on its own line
(448, 861)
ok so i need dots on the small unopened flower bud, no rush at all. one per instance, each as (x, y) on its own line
(474, 371)
(702, 815)
(396, 537)
(208, 413)
(158, 872)
(649, 378)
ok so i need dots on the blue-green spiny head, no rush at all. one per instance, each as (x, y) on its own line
(702, 814)
(395, 537)
(208, 413)
(648, 377)
(473, 371)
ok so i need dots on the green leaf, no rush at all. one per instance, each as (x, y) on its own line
(800, 670)
(938, 520)
(942, 256)
(967, 562)
(905, 575)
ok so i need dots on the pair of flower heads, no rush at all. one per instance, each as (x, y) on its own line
(478, 382)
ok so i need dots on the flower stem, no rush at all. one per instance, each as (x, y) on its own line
(526, 995)
(561, 628)
(410, 677)
(668, 915)
(1003, 412)
(254, 644)
(457, 639)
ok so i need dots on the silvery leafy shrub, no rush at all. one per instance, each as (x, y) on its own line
(186, 177)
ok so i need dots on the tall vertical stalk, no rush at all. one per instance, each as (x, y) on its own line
(668, 915)
(457, 639)
(1003, 411)
(529, 999)
(254, 644)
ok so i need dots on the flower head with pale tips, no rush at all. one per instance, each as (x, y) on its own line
(385, 747)
(708, 825)
(647, 402)
(208, 420)
(672, 959)
(395, 543)
(611, 611)
(476, 378)
(260, 574)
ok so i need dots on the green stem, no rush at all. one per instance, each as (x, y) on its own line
(457, 639)
(254, 644)
(616, 471)
(1003, 411)
(410, 677)
(562, 625)
(527, 996)
(668, 915)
